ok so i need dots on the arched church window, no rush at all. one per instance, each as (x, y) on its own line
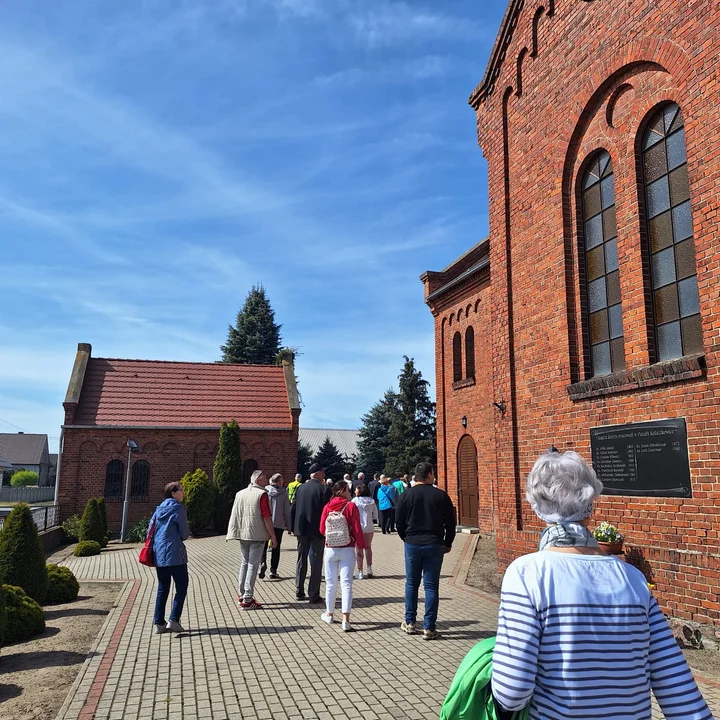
(114, 480)
(602, 269)
(457, 358)
(671, 248)
(140, 480)
(470, 353)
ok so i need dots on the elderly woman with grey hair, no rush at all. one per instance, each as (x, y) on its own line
(579, 633)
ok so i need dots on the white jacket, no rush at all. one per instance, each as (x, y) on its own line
(368, 512)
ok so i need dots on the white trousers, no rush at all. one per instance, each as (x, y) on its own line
(339, 561)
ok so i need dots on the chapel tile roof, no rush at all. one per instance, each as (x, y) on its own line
(149, 393)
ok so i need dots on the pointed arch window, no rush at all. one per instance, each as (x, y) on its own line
(140, 480)
(113, 480)
(673, 273)
(602, 267)
(470, 353)
(457, 358)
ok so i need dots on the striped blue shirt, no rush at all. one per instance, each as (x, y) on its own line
(585, 639)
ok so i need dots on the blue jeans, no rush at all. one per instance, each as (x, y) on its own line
(179, 574)
(423, 561)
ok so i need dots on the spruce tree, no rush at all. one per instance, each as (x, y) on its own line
(91, 523)
(329, 457)
(304, 459)
(372, 446)
(411, 437)
(255, 339)
(227, 474)
(22, 559)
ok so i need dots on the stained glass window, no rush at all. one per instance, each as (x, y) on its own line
(602, 267)
(114, 480)
(673, 274)
(140, 480)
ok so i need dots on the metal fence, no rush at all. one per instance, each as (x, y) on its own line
(30, 495)
(43, 517)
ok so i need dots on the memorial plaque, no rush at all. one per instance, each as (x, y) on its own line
(643, 459)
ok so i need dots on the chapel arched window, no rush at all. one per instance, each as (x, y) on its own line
(602, 267)
(671, 247)
(114, 480)
(140, 480)
(470, 353)
(457, 358)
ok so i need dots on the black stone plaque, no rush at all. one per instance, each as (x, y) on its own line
(643, 459)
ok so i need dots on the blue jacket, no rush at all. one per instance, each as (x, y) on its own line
(387, 497)
(171, 528)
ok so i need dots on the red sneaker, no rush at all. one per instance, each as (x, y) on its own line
(251, 605)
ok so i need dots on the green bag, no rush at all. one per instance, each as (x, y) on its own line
(470, 696)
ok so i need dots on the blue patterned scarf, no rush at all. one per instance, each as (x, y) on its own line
(567, 534)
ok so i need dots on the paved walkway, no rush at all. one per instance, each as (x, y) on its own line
(279, 663)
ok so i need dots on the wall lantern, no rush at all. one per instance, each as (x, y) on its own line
(464, 421)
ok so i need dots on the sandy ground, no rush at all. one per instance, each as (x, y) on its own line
(35, 676)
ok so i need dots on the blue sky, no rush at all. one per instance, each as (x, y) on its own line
(158, 157)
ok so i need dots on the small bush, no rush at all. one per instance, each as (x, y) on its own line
(91, 527)
(103, 521)
(87, 547)
(71, 528)
(24, 478)
(23, 616)
(22, 559)
(137, 531)
(199, 501)
(63, 587)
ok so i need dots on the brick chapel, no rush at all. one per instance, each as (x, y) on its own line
(173, 412)
(590, 316)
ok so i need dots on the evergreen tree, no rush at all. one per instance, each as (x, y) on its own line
(227, 474)
(199, 501)
(304, 459)
(329, 457)
(91, 523)
(22, 558)
(372, 446)
(411, 437)
(255, 339)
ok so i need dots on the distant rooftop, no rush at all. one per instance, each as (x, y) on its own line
(23, 448)
(345, 441)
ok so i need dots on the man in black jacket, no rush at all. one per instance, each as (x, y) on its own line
(426, 522)
(310, 499)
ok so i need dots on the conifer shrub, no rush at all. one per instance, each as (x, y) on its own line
(227, 474)
(63, 587)
(22, 559)
(91, 525)
(103, 521)
(87, 547)
(2, 615)
(23, 616)
(199, 501)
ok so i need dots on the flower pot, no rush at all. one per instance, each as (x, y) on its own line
(611, 548)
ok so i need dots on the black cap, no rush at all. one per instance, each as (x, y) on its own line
(316, 467)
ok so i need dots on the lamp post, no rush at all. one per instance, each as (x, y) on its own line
(132, 447)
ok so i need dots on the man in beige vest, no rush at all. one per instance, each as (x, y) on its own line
(251, 524)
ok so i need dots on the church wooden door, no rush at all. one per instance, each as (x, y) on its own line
(467, 482)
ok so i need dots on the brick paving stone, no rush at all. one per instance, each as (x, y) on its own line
(280, 662)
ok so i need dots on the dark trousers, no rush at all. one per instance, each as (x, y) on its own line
(309, 549)
(392, 519)
(423, 562)
(179, 574)
(386, 519)
(274, 553)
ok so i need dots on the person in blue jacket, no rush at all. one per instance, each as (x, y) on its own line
(171, 528)
(387, 498)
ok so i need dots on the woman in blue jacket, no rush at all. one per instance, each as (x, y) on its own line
(171, 528)
(387, 499)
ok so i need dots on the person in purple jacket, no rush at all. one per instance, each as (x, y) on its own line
(171, 528)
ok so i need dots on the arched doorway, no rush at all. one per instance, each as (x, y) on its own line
(249, 467)
(467, 482)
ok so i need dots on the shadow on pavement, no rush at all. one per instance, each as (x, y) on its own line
(9, 691)
(250, 630)
(42, 659)
(73, 612)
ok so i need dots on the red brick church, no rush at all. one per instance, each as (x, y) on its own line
(172, 411)
(590, 317)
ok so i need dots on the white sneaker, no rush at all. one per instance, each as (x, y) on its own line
(346, 626)
(173, 626)
(369, 572)
(329, 619)
(359, 576)
(160, 629)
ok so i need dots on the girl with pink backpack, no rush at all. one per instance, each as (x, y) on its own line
(340, 524)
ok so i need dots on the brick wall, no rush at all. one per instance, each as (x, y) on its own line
(577, 77)
(170, 454)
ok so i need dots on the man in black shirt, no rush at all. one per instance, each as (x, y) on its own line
(426, 522)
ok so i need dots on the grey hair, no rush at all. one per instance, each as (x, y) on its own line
(275, 478)
(257, 474)
(346, 477)
(562, 487)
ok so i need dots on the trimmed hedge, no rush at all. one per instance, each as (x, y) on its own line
(24, 478)
(91, 525)
(22, 559)
(63, 587)
(199, 501)
(87, 547)
(103, 521)
(23, 616)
